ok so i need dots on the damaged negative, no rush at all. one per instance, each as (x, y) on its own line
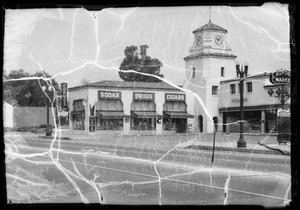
(148, 105)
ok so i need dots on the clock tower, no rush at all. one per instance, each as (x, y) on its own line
(210, 60)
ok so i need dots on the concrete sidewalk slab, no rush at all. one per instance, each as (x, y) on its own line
(256, 143)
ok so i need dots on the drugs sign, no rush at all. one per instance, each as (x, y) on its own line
(281, 77)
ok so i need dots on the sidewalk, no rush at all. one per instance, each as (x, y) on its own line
(223, 142)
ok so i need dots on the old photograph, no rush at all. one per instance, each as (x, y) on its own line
(150, 105)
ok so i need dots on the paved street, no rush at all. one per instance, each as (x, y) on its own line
(120, 171)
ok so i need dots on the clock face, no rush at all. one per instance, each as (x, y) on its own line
(199, 41)
(219, 40)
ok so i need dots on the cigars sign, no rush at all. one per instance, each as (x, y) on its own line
(174, 97)
(109, 94)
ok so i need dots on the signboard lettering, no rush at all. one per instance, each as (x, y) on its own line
(109, 94)
(143, 96)
(64, 101)
(174, 97)
(280, 77)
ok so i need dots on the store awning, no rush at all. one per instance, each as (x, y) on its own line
(250, 108)
(111, 114)
(145, 114)
(77, 112)
(177, 115)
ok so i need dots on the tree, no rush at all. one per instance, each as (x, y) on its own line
(28, 92)
(85, 81)
(143, 64)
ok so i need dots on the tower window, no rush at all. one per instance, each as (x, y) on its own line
(214, 90)
(222, 71)
(232, 88)
(249, 87)
(194, 73)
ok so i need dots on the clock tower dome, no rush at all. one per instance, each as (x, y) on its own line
(210, 60)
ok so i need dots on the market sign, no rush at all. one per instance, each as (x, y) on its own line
(109, 94)
(174, 97)
(280, 77)
(143, 96)
(64, 101)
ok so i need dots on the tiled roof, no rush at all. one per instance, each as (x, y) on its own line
(210, 26)
(129, 85)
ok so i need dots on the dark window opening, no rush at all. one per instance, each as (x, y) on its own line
(222, 72)
(249, 87)
(214, 90)
(232, 88)
(194, 73)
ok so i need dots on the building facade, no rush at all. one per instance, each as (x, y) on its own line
(210, 61)
(260, 110)
(211, 74)
(130, 108)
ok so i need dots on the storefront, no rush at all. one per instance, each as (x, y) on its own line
(109, 111)
(148, 108)
(175, 113)
(143, 111)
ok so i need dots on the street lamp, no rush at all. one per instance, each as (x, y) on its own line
(241, 70)
(49, 128)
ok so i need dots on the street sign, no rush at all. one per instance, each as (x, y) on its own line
(281, 77)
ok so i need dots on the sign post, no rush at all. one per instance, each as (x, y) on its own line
(283, 79)
(64, 102)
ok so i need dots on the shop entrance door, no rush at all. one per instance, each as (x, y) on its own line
(180, 125)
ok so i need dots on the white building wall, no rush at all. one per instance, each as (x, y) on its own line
(258, 96)
(8, 115)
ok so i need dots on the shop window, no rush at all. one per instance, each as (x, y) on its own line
(222, 72)
(214, 90)
(109, 124)
(169, 124)
(78, 122)
(232, 88)
(143, 124)
(249, 87)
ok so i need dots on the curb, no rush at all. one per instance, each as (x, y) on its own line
(270, 151)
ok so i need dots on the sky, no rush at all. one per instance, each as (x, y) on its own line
(76, 44)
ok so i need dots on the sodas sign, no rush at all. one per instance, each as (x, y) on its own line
(109, 94)
(281, 77)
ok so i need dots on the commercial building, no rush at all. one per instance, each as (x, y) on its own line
(127, 107)
(211, 74)
(260, 110)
